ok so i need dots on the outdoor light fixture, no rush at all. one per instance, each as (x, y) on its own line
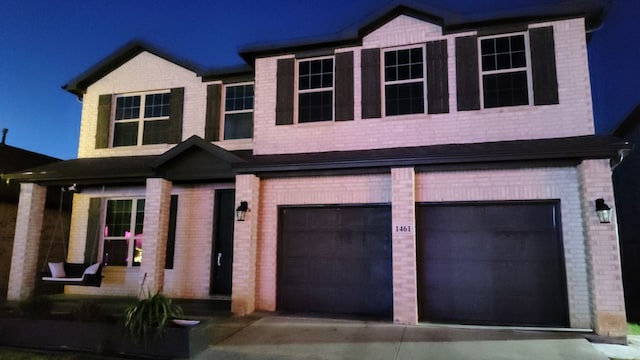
(604, 211)
(241, 211)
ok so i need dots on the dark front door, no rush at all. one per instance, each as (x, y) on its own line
(491, 263)
(335, 259)
(222, 255)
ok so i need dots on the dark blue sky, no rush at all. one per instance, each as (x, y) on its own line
(46, 43)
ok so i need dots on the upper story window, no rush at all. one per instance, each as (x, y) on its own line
(504, 71)
(238, 111)
(122, 241)
(315, 90)
(141, 119)
(404, 81)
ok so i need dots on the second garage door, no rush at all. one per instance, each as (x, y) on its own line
(491, 263)
(335, 259)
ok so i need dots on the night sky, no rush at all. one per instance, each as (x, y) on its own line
(46, 43)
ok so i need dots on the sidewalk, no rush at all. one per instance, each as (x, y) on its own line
(282, 337)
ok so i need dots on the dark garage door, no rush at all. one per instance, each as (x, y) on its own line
(335, 260)
(491, 263)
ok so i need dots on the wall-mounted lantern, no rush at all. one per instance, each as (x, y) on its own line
(241, 211)
(604, 211)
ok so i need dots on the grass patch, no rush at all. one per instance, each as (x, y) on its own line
(634, 329)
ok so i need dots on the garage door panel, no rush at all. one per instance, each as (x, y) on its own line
(343, 259)
(499, 263)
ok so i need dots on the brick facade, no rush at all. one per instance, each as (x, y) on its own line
(594, 289)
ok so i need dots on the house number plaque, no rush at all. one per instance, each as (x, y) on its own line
(404, 229)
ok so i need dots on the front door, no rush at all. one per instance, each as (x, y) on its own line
(222, 254)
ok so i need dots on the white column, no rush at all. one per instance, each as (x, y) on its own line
(403, 210)
(155, 231)
(26, 242)
(245, 235)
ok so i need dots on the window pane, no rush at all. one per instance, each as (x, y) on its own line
(316, 106)
(404, 99)
(506, 52)
(239, 98)
(403, 64)
(118, 219)
(315, 74)
(127, 107)
(506, 89)
(155, 132)
(156, 105)
(238, 126)
(125, 134)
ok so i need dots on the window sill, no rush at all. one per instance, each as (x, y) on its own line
(235, 144)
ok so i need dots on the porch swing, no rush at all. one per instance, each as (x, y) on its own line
(66, 273)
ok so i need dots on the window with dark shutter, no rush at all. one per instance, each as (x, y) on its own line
(104, 121)
(285, 91)
(344, 86)
(175, 116)
(212, 125)
(437, 77)
(171, 236)
(543, 66)
(92, 244)
(371, 87)
(467, 76)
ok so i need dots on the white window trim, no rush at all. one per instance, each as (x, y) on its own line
(396, 82)
(297, 91)
(527, 54)
(140, 120)
(103, 237)
(224, 112)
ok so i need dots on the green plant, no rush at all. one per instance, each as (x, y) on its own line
(150, 316)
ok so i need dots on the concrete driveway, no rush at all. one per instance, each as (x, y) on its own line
(283, 337)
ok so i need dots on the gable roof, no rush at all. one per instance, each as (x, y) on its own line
(592, 10)
(628, 124)
(128, 51)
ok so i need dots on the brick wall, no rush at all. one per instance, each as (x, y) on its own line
(572, 117)
(305, 191)
(522, 184)
(192, 258)
(603, 252)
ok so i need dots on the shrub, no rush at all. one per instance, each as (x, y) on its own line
(150, 316)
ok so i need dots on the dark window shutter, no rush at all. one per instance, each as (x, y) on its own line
(371, 86)
(104, 121)
(467, 76)
(93, 231)
(437, 77)
(344, 86)
(214, 99)
(284, 92)
(171, 237)
(174, 133)
(543, 66)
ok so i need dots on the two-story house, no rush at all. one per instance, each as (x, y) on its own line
(426, 168)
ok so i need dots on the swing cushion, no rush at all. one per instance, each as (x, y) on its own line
(92, 270)
(57, 269)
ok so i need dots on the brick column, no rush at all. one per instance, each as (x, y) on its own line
(403, 210)
(603, 253)
(26, 242)
(155, 230)
(245, 235)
